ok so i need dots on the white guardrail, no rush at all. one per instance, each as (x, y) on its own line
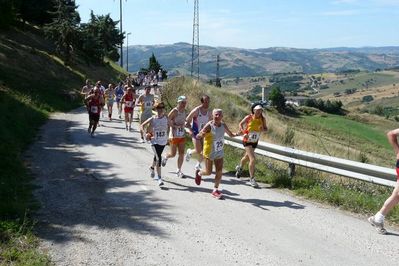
(362, 171)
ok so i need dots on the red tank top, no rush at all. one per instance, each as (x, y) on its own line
(94, 106)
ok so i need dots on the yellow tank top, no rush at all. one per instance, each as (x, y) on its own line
(255, 124)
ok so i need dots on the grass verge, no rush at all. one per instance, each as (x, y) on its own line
(33, 84)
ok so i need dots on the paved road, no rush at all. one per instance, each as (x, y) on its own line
(100, 207)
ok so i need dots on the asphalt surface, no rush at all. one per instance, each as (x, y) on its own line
(100, 207)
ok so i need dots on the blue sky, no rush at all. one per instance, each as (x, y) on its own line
(256, 23)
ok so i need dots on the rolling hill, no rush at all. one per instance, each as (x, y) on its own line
(237, 62)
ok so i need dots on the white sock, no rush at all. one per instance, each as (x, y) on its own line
(379, 218)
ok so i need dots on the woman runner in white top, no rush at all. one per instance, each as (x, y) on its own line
(177, 120)
(158, 135)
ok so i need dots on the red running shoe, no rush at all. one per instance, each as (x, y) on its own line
(197, 177)
(217, 194)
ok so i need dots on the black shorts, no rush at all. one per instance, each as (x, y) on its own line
(253, 144)
(158, 149)
(94, 117)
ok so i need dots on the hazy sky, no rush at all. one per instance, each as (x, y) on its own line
(256, 23)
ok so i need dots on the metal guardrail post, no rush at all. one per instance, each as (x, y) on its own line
(291, 169)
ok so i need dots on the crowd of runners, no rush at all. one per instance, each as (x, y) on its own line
(206, 129)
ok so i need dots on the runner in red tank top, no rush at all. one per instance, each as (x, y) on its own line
(129, 100)
(94, 102)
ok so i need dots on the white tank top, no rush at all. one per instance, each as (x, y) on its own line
(202, 119)
(160, 128)
(178, 126)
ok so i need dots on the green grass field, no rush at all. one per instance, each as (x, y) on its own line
(343, 127)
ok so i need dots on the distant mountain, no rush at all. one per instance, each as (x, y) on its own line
(176, 58)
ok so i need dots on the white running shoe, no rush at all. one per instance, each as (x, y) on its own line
(179, 174)
(253, 183)
(379, 227)
(160, 182)
(188, 155)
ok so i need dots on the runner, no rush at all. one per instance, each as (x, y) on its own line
(177, 120)
(128, 99)
(101, 92)
(94, 102)
(146, 102)
(158, 137)
(109, 99)
(195, 121)
(251, 126)
(213, 134)
(378, 219)
(86, 89)
(119, 92)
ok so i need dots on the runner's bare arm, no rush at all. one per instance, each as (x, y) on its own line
(228, 131)
(171, 117)
(393, 140)
(205, 130)
(145, 123)
(241, 125)
(264, 124)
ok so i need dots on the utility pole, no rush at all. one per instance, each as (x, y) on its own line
(195, 46)
(127, 51)
(217, 82)
(120, 24)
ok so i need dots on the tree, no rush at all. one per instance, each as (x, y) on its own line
(100, 38)
(277, 99)
(154, 65)
(40, 12)
(64, 29)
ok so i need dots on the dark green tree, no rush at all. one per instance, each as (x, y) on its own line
(38, 12)
(64, 29)
(153, 64)
(100, 38)
(277, 99)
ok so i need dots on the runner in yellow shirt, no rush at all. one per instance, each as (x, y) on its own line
(251, 127)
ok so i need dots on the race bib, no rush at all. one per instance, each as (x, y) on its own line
(202, 126)
(160, 135)
(253, 136)
(218, 144)
(147, 105)
(94, 109)
(129, 103)
(180, 132)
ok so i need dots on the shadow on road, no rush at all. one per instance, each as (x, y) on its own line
(75, 192)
